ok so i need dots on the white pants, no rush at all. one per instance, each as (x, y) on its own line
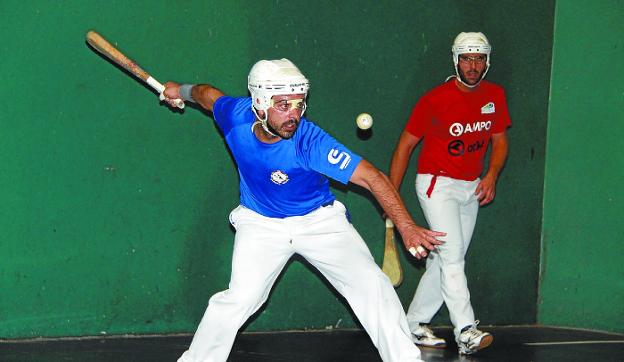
(327, 240)
(452, 208)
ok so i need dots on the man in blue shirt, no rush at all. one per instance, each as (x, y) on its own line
(286, 207)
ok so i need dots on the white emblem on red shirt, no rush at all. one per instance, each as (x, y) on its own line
(458, 129)
(488, 108)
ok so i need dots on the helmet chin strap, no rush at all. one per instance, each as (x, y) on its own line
(263, 122)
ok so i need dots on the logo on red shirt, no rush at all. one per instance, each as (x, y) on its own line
(458, 129)
(456, 148)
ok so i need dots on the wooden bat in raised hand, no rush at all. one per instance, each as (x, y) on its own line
(107, 49)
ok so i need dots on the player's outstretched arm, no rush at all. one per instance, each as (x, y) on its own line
(203, 94)
(369, 177)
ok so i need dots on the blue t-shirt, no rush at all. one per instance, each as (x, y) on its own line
(286, 178)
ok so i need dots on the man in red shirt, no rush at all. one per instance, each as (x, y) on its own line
(457, 121)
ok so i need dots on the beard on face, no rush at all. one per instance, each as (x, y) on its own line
(471, 73)
(281, 132)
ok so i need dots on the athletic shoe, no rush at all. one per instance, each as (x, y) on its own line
(471, 339)
(423, 336)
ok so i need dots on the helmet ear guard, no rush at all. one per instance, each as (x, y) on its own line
(471, 42)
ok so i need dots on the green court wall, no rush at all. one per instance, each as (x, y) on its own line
(582, 278)
(114, 208)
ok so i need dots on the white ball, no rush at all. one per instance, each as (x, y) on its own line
(364, 121)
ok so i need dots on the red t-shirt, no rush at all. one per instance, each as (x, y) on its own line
(456, 127)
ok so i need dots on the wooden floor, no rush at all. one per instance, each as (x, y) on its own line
(526, 343)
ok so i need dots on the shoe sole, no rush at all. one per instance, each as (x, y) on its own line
(419, 343)
(485, 342)
(432, 346)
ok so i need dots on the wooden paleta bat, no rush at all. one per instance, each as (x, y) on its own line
(391, 265)
(107, 49)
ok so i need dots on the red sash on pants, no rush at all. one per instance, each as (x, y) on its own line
(432, 185)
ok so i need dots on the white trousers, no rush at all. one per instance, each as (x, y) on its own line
(327, 240)
(451, 208)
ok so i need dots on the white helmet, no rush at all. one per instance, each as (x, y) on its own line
(268, 78)
(471, 43)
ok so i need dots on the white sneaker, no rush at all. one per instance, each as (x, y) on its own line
(472, 340)
(423, 336)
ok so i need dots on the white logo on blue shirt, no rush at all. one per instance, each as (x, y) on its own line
(278, 177)
(334, 156)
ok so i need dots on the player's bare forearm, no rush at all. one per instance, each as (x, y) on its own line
(498, 156)
(369, 177)
(398, 166)
(401, 157)
(204, 94)
(486, 190)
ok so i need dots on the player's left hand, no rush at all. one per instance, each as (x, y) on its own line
(486, 190)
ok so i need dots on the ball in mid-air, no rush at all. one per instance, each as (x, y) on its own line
(364, 121)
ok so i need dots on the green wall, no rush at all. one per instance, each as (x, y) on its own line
(108, 223)
(114, 209)
(583, 235)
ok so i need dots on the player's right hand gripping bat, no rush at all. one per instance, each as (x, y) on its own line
(391, 265)
(107, 49)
